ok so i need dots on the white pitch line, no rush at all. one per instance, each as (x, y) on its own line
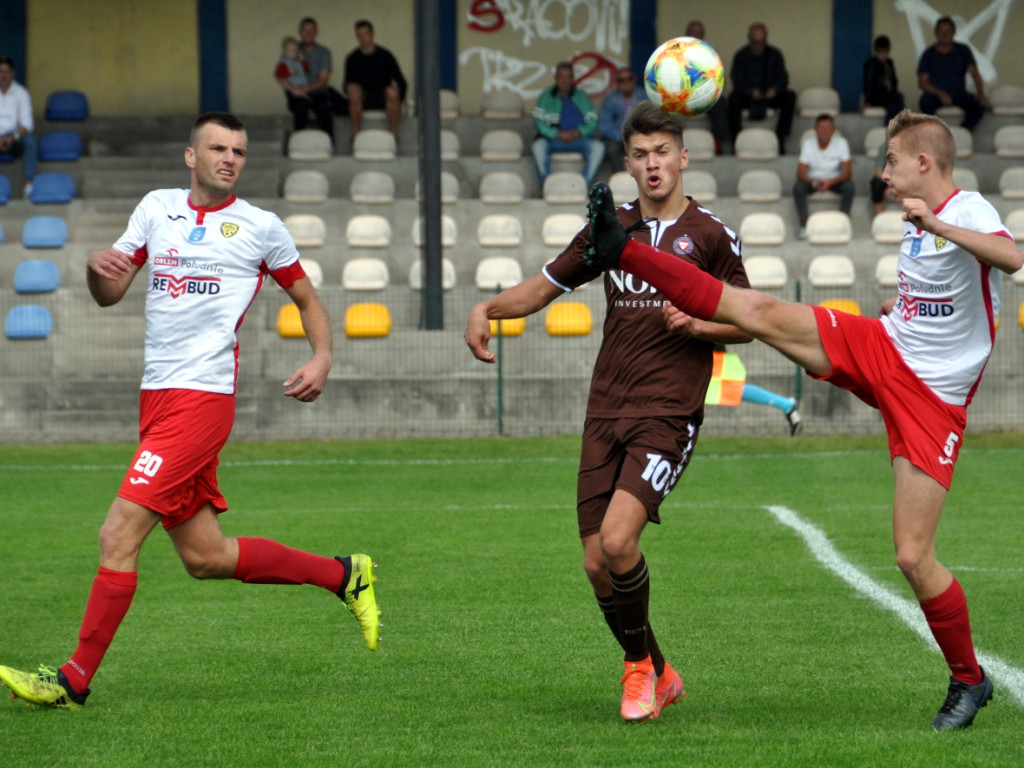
(1011, 679)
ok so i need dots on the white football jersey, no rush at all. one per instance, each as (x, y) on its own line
(944, 320)
(204, 267)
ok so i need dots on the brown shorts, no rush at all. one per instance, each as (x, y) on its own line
(645, 457)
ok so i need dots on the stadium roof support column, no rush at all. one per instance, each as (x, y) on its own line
(428, 108)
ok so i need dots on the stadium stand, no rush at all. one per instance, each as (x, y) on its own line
(1008, 141)
(372, 188)
(368, 230)
(502, 188)
(763, 227)
(698, 184)
(759, 185)
(449, 232)
(449, 189)
(965, 178)
(60, 146)
(623, 186)
(307, 229)
(313, 271)
(568, 318)
(565, 188)
(365, 273)
(367, 320)
(28, 321)
(887, 228)
(700, 144)
(417, 278)
(1007, 99)
(873, 141)
(829, 228)
(36, 276)
(964, 141)
(885, 270)
(310, 145)
(1011, 183)
(831, 271)
(757, 144)
(450, 146)
(67, 105)
(1015, 222)
(817, 100)
(44, 232)
(501, 145)
(373, 145)
(499, 230)
(306, 186)
(501, 105)
(52, 187)
(449, 105)
(498, 272)
(559, 229)
(766, 272)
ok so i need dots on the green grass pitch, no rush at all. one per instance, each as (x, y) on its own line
(494, 652)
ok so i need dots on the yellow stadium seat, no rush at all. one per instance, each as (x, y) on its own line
(849, 306)
(289, 323)
(568, 318)
(367, 320)
(514, 326)
(1020, 315)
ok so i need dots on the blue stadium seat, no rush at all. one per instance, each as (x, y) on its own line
(67, 105)
(60, 145)
(28, 321)
(1, 233)
(36, 276)
(44, 232)
(5, 189)
(52, 188)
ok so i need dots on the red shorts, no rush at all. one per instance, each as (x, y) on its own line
(921, 428)
(645, 457)
(174, 471)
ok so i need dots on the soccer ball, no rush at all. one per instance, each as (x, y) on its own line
(684, 75)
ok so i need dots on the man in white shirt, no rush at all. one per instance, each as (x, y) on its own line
(16, 137)
(824, 166)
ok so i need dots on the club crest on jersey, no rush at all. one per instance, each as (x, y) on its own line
(940, 243)
(229, 229)
(915, 247)
(683, 245)
(197, 234)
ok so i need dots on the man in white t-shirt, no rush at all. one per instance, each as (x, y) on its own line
(16, 136)
(205, 254)
(824, 167)
(919, 365)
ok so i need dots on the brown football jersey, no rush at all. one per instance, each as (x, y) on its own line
(641, 368)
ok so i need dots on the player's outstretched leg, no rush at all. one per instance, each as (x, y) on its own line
(794, 421)
(962, 703)
(357, 594)
(670, 689)
(48, 687)
(607, 235)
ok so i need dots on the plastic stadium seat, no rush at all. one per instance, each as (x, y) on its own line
(1020, 316)
(886, 273)
(1007, 99)
(760, 185)
(449, 146)
(501, 105)
(951, 112)
(499, 230)
(498, 272)
(307, 186)
(1, 231)
(374, 145)
(60, 146)
(365, 273)
(417, 279)
(52, 188)
(67, 105)
(964, 141)
(887, 227)
(502, 188)
(762, 228)
(700, 144)
(1014, 221)
(568, 318)
(372, 188)
(44, 232)
(829, 228)
(1009, 141)
(449, 105)
(565, 187)
(36, 276)
(449, 232)
(873, 140)
(757, 144)
(501, 146)
(513, 326)
(966, 179)
(1018, 276)
(1011, 183)
(623, 187)
(449, 189)
(367, 320)
(368, 230)
(313, 271)
(310, 144)
(849, 306)
(817, 100)
(559, 229)
(28, 321)
(5, 189)
(831, 271)
(307, 229)
(766, 272)
(700, 185)
(289, 322)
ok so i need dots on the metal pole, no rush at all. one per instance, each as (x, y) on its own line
(428, 108)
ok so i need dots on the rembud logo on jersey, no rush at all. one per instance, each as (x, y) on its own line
(912, 308)
(180, 286)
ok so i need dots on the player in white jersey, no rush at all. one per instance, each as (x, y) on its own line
(205, 253)
(919, 364)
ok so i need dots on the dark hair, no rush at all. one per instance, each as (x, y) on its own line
(823, 116)
(223, 119)
(308, 20)
(945, 20)
(645, 119)
(364, 23)
(8, 61)
(882, 43)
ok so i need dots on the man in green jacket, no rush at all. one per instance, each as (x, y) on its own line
(566, 122)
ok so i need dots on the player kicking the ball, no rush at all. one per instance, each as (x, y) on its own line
(206, 254)
(919, 364)
(646, 394)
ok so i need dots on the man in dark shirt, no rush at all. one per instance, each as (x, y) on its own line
(881, 87)
(760, 81)
(647, 392)
(941, 73)
(318, 62)
(373, 80)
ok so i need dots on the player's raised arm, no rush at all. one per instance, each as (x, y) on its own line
(518, 301)
(108, 274)
(308, 381)
(995, 249)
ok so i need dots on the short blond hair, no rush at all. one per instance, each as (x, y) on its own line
(924, 133)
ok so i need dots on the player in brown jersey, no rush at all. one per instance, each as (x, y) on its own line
(647, 392)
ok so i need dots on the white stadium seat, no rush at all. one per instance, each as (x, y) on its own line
(766, 272)
(502, 188)
(887, 227)
(565, 188)
(700, 185)
(449, 232)
(829, 228)
(501, 105)
(760, 185)
(831, 271)
(306, 186)
(368, 230)
(498, 272)
(499, 230)
(762, 228)
(310, 144)
(372, 187)
(307, 229)
(817, 100)
(417, 278)
(501, 146)
(365, 273)
(559, 229)
(374, 145)
(757, 144)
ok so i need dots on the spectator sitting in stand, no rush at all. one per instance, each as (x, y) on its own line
(614, 108)
(760, 81)
(880, 83)
(719, 113)
(16, 124)
(373, 80)
(824, 165)
(318, 61)
(941, 74)
(566, 122)
(292, 74)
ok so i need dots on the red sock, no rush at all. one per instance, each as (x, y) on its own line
(109, 600)
(951, 626)
(695, 292)
(262, 561)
